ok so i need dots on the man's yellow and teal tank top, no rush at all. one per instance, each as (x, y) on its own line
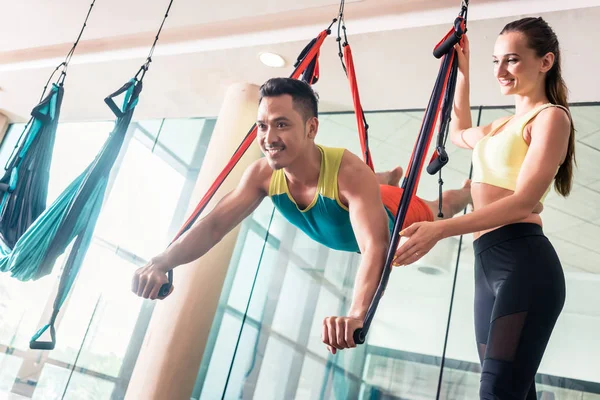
(326, 219)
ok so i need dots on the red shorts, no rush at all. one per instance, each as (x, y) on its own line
(418, 210)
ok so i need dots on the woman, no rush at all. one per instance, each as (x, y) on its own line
(519, 282)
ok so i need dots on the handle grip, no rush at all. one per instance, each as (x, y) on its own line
(438, 162)
(166, 288)
(42, 344)
(359, 336)
(37, 345)
(446, 45)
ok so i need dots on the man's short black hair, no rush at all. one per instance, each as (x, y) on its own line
(304, 98)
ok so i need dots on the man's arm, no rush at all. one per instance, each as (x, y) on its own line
(370, 223)
(206, 233)
(359, 187)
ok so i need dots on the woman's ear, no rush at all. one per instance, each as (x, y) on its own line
(548, 62)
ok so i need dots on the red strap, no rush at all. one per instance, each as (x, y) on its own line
(433, 156)
(358, 110)
(314, 52)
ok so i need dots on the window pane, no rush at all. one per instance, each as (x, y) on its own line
(9, 142)
(249, 261)
(180, 137)
(224, 347)
(568, 369)
(84, 387)
(275, 368)
(311, 380)
(22, 304)
(135, 220)
(138, 217)
(9, 368)
(295, 290)
(76, 146)
(105, 280)
(54, 379)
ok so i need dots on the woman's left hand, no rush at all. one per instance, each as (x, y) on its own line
(422, 236)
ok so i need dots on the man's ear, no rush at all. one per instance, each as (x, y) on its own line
(313, 127)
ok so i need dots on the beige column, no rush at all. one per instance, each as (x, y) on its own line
(172, 351)
(3, 126)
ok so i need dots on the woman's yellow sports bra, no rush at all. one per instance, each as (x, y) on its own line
(497, 158)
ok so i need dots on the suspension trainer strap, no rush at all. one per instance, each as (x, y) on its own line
(361, 122)
(440, 156)
(443, 90)
(455, 34)
(345, 55)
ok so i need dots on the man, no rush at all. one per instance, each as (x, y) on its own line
(330, 194)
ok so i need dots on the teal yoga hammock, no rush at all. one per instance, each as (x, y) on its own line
(71, 219)
(25, 182)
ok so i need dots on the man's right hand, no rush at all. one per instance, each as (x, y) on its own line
(148, 280)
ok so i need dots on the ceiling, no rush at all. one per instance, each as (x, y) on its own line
(204, 48)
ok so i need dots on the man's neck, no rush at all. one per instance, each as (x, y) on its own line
(306, 169)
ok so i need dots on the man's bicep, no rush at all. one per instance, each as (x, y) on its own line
(367, 214)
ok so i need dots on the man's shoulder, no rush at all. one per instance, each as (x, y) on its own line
(260, 173)
(354, 175)
(351, 163)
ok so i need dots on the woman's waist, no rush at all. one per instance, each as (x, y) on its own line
(484, 195)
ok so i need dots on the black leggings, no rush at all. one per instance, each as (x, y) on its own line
(519, 293)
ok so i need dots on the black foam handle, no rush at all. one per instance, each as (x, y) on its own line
(37, 345)
(44, 345)
(437, 163)
(359, 336)
(166, 288)
(446, 46)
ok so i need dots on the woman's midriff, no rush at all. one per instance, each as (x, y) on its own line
(484, 194)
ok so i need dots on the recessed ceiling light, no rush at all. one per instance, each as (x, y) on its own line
(272, 60)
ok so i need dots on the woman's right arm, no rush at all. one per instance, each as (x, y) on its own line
(462, 132)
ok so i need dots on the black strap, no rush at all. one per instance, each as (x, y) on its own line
(65, 63)
(146, 65)
(441, 156)
(111, 103)
(409, 184)
(342, 27)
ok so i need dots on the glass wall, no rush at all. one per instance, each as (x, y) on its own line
(266, 339)
(102, 324)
